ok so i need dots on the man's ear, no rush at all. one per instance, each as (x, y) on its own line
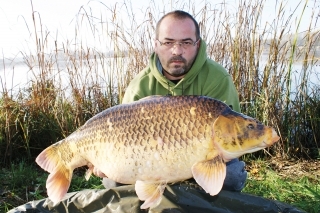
(156, 45)
(199, 43)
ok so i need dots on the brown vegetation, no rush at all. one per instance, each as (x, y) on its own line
(72, 82)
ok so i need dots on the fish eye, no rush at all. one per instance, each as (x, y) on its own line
(250, 126)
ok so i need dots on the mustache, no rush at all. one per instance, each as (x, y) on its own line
(177, 58)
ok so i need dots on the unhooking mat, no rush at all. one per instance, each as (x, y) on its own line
(177, 198)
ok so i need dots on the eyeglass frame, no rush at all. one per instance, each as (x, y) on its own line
(178, 42)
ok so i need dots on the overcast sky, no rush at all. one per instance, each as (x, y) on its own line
(58, 16)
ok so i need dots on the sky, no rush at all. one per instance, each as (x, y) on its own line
(58, 16)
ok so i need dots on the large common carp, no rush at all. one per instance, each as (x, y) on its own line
(155, 141)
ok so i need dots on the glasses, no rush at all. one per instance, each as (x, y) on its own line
(184, 44)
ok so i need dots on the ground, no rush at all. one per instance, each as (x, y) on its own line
(288, 169)
(291, 168)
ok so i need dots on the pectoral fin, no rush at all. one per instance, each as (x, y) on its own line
(149, 192)
(88, 173)
(93, 170)
(210, 174)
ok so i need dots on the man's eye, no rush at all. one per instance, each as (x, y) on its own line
(186, 43)
(168, 43)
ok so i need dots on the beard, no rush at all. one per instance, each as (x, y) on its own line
(177, 70)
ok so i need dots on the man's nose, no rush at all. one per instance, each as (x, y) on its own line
(177, 49)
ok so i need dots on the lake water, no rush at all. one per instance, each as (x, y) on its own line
(17, 75)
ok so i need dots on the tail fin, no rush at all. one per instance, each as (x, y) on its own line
(60, 176)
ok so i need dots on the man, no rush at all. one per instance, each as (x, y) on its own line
(179, 66)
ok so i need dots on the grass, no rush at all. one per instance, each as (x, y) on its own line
(23, 182)
(300, 188)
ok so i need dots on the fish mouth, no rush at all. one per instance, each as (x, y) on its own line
(231, 155)
(227, 156)
(274, 137)
(264, 144)
(257, 148)
(273, 140)
(269, 141)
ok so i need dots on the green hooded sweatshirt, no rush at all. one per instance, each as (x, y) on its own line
(206, 77)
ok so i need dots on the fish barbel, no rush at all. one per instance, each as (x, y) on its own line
(155, 141)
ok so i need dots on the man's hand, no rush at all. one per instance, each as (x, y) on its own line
(236, 176)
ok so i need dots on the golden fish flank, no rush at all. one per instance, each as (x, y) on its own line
(146, 142)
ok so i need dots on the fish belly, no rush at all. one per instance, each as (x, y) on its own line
(166, 164)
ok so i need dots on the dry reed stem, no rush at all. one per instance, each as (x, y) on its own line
(73, 81)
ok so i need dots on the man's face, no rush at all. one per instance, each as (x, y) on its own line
(176, 60)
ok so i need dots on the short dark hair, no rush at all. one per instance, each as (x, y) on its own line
(179, 14)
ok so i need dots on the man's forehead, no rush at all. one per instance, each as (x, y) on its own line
(176, 19)
(177, 29)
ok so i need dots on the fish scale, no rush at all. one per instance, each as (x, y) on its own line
(155, 141)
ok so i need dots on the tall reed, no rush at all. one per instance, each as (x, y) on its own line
(75, 79)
